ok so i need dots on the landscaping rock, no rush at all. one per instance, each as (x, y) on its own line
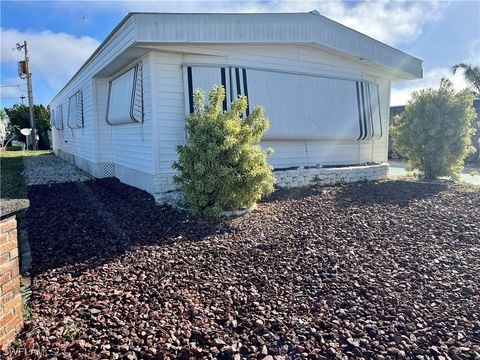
(49, 169)
(387, 270)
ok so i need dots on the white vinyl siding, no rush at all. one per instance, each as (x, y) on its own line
(172, 105)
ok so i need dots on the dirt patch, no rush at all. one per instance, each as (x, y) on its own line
(387, 269)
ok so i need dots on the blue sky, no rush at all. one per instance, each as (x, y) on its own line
(63, 34)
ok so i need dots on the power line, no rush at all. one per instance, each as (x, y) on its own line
(14, 85)
(38, 70)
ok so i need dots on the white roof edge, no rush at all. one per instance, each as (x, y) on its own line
(416, 64)
(272, 28)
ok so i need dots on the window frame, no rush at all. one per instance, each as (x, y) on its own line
(59, 117)
(137, 86)
(78, 98)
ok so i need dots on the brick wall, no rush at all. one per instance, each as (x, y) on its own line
(11, 315)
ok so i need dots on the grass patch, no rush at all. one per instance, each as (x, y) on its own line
(12, 185)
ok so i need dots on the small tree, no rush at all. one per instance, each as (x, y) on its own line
(434, 131)
(222, 167)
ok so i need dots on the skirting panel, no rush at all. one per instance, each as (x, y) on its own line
(138, 179)
(165, 183)
(106, 169)
(135, 178)
(84, 164)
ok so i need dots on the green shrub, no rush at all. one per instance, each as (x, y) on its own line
(222, 167)
(434, 131)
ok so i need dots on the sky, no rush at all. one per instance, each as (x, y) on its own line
(61, 35)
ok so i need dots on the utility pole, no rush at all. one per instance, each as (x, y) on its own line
(22, 98)
(24, 72)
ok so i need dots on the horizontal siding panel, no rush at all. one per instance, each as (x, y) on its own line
(178, 138)
(166, 122)
(178, 103)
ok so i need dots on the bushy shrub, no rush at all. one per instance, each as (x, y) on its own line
(222, 167)
(434, 131)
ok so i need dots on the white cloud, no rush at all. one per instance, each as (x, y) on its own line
(55, 56)
(401, 94)
(431, 79)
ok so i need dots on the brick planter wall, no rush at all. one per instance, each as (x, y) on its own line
(11, 316)
(11, 310)
(329, 176)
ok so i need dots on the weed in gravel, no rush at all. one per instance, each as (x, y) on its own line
(27, 312)
(70, 332)
(17, 343)
(316, 181)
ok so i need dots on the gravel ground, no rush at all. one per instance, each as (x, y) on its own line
(385, 270)
(48, 169)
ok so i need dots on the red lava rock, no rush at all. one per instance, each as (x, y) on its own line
(376, 270)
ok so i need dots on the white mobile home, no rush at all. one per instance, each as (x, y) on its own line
(324, 87)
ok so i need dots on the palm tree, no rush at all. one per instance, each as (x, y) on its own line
(471, 74)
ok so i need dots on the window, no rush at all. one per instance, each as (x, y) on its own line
(52, 117)
(311, 107)
(205, 78)
(369, 117)
(303, 106)
(59, 118)
(125, 98)
(75, 111)
(299, 106)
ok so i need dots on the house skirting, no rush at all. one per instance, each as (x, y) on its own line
(136, 178)
(329, 176)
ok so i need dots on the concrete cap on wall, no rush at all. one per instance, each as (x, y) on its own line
(9, 207)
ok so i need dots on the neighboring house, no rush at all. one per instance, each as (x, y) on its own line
(397, 110)
(324, 87)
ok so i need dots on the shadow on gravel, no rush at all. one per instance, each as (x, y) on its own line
(399, 193)
(90, 223)
(283, 195)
